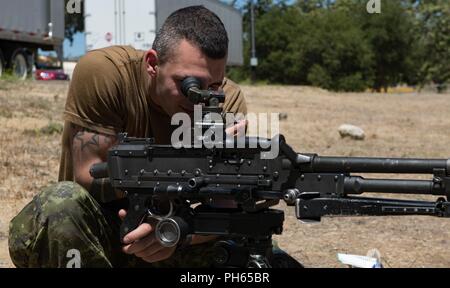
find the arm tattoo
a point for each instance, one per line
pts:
(92, 143)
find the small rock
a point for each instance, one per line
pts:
(354, 132)
(283, 116)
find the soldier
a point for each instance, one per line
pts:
(76, 222)
(120, 89)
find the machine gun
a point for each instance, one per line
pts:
(179, 185)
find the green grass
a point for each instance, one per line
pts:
(8, 75)
(8, 79)
(50, 129)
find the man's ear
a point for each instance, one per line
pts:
(151, 58)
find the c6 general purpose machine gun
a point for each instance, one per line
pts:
(178, 185)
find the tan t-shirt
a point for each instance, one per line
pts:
(109, 93)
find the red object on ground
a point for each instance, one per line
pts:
(46, 74)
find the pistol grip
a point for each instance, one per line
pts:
(137, 209)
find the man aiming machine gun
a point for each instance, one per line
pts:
(165, 182)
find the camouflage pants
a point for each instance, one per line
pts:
(64, 225)
(64, 222)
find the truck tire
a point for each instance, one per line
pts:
(2, 64)
(20, 66)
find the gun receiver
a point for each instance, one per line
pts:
(168, 183)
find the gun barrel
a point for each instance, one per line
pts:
(378, 165)
(358, 185)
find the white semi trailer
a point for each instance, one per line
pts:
(25, 27)
(135, 22)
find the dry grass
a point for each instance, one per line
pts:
(29, 159)
(396, 125)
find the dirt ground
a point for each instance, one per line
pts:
(396, 125)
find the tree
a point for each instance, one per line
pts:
(322, 47)
(261, 8)
(338, 45)
(343, 53)
(308, 6)
(391, 39)
(433, 30)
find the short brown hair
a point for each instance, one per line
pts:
(199, 26)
